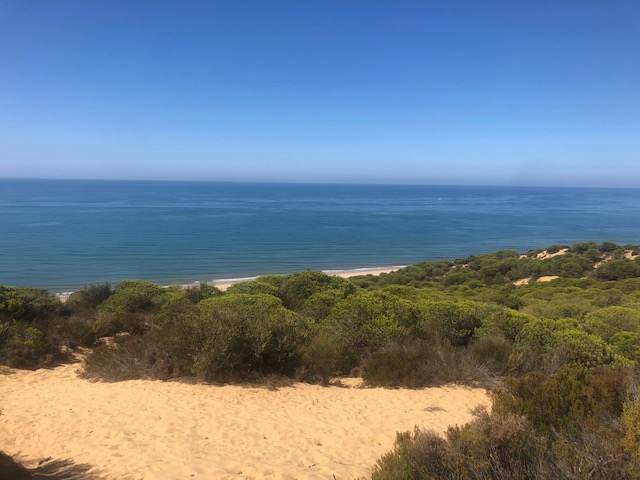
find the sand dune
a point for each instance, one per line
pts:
(174, 430)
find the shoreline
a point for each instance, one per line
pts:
(224, 283)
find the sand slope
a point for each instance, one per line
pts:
(172, 430)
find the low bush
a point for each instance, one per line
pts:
(73, 332)
(416, 363)
(322, 358)
(364, 322)
(201, 292)
(239, 335)
(88, 299)
(161, 353)
(492, 351)
(490, 447)
(455, 321)
(567, 399)
(608, 321)
(23, 346)
(108, 324)
(135, 296)
(255, 287)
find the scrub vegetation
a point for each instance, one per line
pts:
(553, 333)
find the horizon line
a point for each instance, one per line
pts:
(303, 182)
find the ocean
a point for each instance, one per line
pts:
(67, 234)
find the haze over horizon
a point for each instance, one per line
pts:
(460, 93)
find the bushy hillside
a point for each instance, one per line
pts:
(555, 333)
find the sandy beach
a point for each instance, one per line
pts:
(144, 429)
(224, 284)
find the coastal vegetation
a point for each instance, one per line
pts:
(554, 333)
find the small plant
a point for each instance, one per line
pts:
(322, 358)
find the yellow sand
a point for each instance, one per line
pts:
(545, 254)
(547, 278)
(173, 430)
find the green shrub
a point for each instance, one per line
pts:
(240, 335)
(617, 270)
(298, 287)
(365, 321)
(201, 292)
(455, 321)
(417, 363)
(319, 305)
(73, 332)
(253, 288)
(493, 351)
(175, 311)
(89, 298)
(418, 455)
(582, 247)
(135, 296)
(490, 447)
(161, 353)
(608, 321)
(566, 399)
(108, 324)
(24, 346)
(322, 358)
(541, 333)
(504, 322)
(578, 348)
(626, 344)
(566, 306)
(631, 439)
(26, 304)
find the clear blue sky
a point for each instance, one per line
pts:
(433, 92)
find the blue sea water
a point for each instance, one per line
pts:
(67, 234)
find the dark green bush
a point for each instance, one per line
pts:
(108, 324)
(24, 346)
(89, 299)
(239, 335)
(319, 305)
(26, 304)
(253, 288)
(617, 270)
(201, 292)
(298, 287)
(455, 321)
(135, 296)
(363, 322)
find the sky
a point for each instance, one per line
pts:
(421, 92)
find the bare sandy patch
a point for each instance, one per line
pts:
(143, 429)
(605, 259)
(545, 254)
(547, 278)
(522, 281)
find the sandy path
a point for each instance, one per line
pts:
(171, 430)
